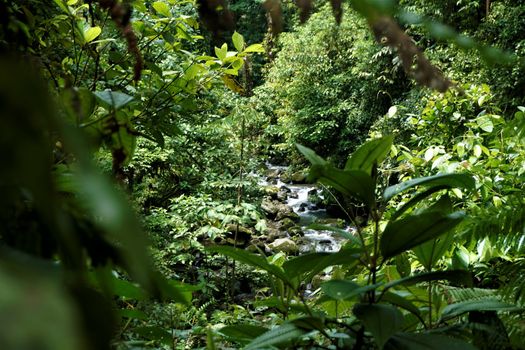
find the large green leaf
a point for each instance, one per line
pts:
(311, 155)
(447, 180)
(370, 153)
(411, 231)
(113, 100)
(415, 200)
(419, 341)
(250, 259)
(351, 183)
(429, 253)
(313, 263)
(91, 33)
(281, 334)
(380, 320)
(457, 309)
(344, 289)
(456, 276)
(162, 8)
(403, 303)
(238, 41)
(243, 332)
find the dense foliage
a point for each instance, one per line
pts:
(139, 210)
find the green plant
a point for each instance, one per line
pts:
(369, 299)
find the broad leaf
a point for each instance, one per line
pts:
(255, 48)
(351, 183)
(313, 263)
(281, 334)
(113, 99)
(456, 276)
(411, 231)
(457, 309)
(222, 52)
(91, 33)
(447, 180)
(370, 153)
(154, 333)
(243, 332)
(401, 302)
(344, 290)
(419, 341)
(429, 253)
(485, 123)
(162, 8)
(380, 320)
(311, 155)
(415, 200)
(238, 41)
(250, 259)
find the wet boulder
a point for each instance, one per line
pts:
(285, 245)
(295, 231)
(298, 177)
(286, 223)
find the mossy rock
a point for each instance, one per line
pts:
(295, 231)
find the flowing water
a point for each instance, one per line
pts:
(297, 199)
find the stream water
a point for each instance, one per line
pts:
(297, 198)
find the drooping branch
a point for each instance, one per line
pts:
(415, 64)
(120, 13)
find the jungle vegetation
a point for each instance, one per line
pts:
(139, 144)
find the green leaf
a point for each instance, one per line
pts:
(411, 231)
(344, 289)
(62, 6)
(415, 200)
(485, 123)
(429, 253)
(401, 302)
(222, 52)
(351, 183)
(403, 266)
(311, 155)
(132, 313)
(154, 333)
(456, 309)
(456, 276)
(419, 341)
(127, 290)
(238, 41)
(381, 320)
(250, 259)
(254, 48)
(313, 263)
(281, 334)
(113, 99)
(243, 332)
(91, 33)
(370, 153)
(162, 8)
(448, 180)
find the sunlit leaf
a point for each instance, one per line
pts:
(448, 180)
(91, 34)
(162, 8)
(411, 231)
